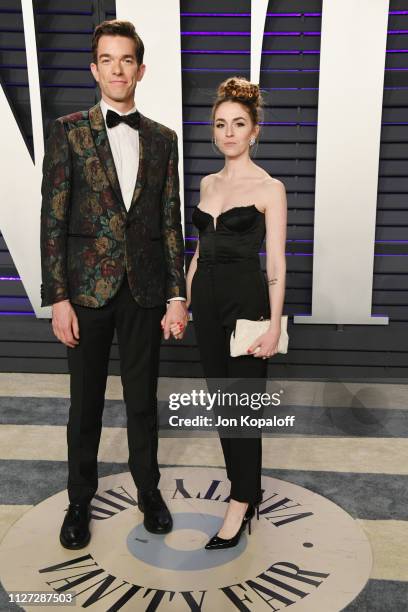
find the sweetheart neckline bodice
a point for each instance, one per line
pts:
(215, 219)
(228, 210)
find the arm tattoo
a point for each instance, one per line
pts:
(272, 281)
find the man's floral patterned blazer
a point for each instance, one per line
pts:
(88, 238)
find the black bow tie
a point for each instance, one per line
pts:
(132, 120)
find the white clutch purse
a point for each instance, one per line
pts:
(247, 331)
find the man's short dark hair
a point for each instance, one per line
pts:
(117, 27)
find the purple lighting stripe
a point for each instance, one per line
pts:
(287, 123)
(214, 52)
(375, 255)
(184, 14)
(260, 123)
(243, 52)
(244, 33)
(228, 70)
(292, 33)
(13, 314)
(289, 88)
(290, 70)
(209, 33)
(269, 52)
(310, 241)
(267, 14)
(215, 14)
(285, 71)
(249, 14)
(10, 278)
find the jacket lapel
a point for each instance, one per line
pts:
(144, 149)
(103, 149)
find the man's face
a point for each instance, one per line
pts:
(117, 71)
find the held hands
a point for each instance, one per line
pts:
(175, 320)
(65, 323)
(267, 344)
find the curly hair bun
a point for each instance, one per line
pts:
(240, 88)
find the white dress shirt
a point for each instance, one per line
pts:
(124, 144)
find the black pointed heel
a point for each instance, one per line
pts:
(217, 543)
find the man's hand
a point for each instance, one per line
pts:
(175, 320)
(65, 323)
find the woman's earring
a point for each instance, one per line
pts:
(252, 142)
(215, 147)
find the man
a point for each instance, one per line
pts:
(112, 254)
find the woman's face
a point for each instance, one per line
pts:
(233, 128)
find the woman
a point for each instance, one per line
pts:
(238, 206)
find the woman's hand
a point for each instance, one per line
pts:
(177, 330)
(267, 343)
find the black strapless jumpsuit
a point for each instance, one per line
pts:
(229, 284)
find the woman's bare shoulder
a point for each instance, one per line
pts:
(207, 182)
(273, 193)
(272, 184)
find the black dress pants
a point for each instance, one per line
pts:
(222, 293)
(139, 335)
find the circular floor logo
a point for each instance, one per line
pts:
(305, 553)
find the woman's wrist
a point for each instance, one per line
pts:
(274, 325)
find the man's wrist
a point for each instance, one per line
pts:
(61, 302)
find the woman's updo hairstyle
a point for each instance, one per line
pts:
(239, 89)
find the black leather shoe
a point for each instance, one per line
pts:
(157, 518)
(75, 528)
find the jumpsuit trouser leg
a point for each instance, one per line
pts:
(243, 456)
